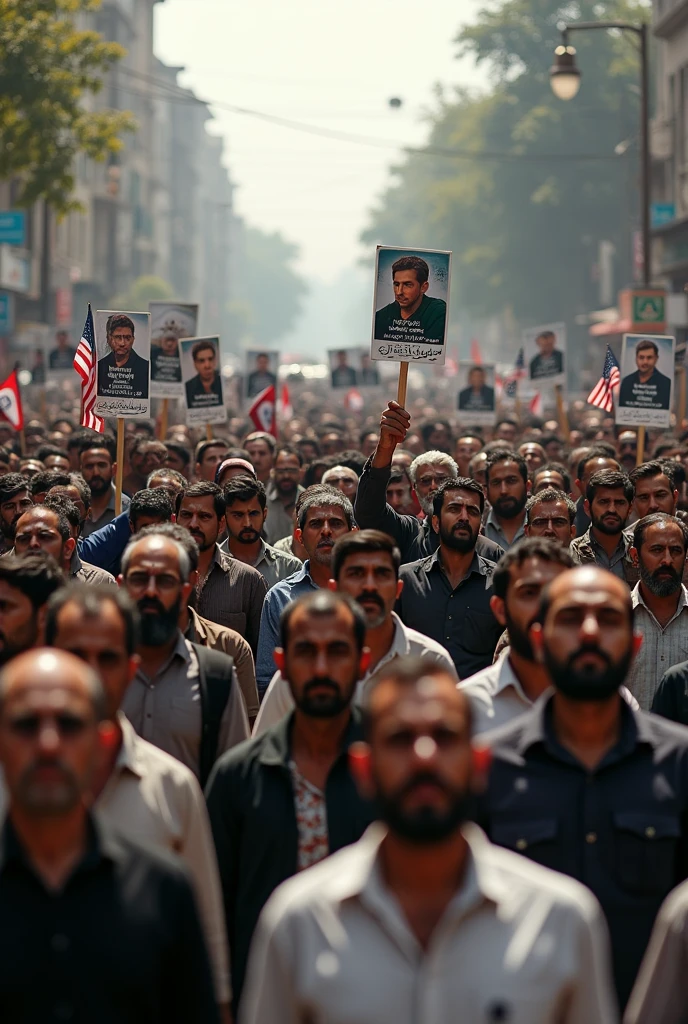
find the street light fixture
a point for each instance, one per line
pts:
(564, 75)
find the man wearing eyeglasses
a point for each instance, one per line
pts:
(184, 699)
(551, 514)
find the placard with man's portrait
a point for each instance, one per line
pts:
(647, 380)
(476, 400)
(202, 379)
(261, 371)
(170, 323)
(123, 372)
(544, 354)
(410, 305)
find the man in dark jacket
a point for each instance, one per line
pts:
(286, 799)
(122, 373)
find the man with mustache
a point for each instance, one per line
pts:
(423, 919)
(245, 515)
(551, 514)
(94, 926)
(507, 492)
(173, 699)
(584, 784)
(97, 462)
(608, 497)
(660, 602)
(15, 499)
(365, 565)
(286, 800)
(447, 595)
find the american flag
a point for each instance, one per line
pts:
(518, 373)
(85, 364)
(601, 394)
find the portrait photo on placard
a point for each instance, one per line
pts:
(261, 371)
(476, 400)
(123, 375)
(202, 380)
(647, 380)
(170, 323)
(544, 353)
(345, 367)
(410, 305)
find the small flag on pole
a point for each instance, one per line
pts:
(510, 382)
(10, 402)
(601, 394)
(262, 411)
(287, 410)
(476, 355)
(85, 364)
(535, 405)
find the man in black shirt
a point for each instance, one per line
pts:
(477, 397)
(647, 388)
(93, 927)
(582, 783)
(447, 595)
(549, 362)
(123, 373)
(205, 389)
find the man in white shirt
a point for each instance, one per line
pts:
(425, 920)
(365, 565)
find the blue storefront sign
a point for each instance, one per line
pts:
(13, 228)
(6, 313)
(662, 213)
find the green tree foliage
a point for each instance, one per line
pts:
(142, 291)
(271, 290)
(539, 184)
(48, 67)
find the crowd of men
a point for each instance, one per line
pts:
(380, 728)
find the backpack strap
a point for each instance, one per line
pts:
(215, 680)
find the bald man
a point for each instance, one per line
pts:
(428, 883)
(585, 784)
(112, 925)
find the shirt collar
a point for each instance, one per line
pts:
(621, 546)
(128, 758)
(492, 521)
(506, 677)
(276, 747)
(539, 729)
(637, 599)
(75, 563)
(101, 844)
(433, 561)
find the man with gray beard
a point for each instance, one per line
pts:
(660, 602)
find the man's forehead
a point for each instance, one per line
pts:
(154, 551)
(537, 570)
(45, 692)
(202, 501)
(38, 516)
(650, 482)
(549, 508)
(595, 592)
(337, 622)
(324, 512)
(663, 531)
(436, 466)
(429, 698)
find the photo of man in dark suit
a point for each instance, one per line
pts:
(123, 373)
(477, 397)
(647, 388)
(343, 375)
(549, 362)
(260, 378)
(205, 389)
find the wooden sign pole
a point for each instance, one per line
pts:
(403, 384)
(208, 432)
(641, 446)
(681, 411)
(120, 466)
(561, 410)
(164, 418)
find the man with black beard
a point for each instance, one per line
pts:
(26, 584)
(15, 499)
(423, 919)
(660, 602)
(286, 800)
(447, 595)
(507, 491)
(184, 698)
(98, 467)
(586, 785)
(245, 515)
(608, 498)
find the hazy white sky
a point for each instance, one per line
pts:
(334, 65)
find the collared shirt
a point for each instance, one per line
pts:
(273, 564)
(84, 572)
(586, 550)
(106, 516)
(228, 641)
(659, 994)
(120, 942)
(516, 944)
(620, 828)
(460, 619)
(166, 710)
(252, 811)
(280, 519)
(233, 595)
(278, 597)
(406, 642)
(494, 532)
(662, 647)
(286, 544)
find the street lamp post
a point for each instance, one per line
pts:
(565, 81)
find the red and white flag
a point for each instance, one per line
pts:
(535, 405)
(353, 400)
(287, 410)
(86, 364)
(262, 411)
(476, 354)
(10, 402)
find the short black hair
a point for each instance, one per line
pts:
(210, 442)
(506, 455)
(398, 475)
(655, 467)
(63, 527)
(202, 346)
(644, 524)
(428, 428)
(324, 603)
(150, 501)
(612, 478)
(351, 458)
(41, 482)
(364, 542)
(244, 488)
(58, 503)
(171, 474)
(528, 547)
(90, 600)
(647, 343)
(44, 451)
(261, 435)
(180, 450)
(173, 531)
(101, 442)
(554, 467)
(550, 494)
(12, 484)
(415, 263)
(405, 672)
(203, 489)
(77, 480)
(118, 320)
(457, 483)
(36, 575)
(598, 451)
(289, 449)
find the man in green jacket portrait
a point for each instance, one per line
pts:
(414, 315)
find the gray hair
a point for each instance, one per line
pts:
(184, 560)
(434, 458)
(321, 495)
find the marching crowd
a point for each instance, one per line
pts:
(366, 727)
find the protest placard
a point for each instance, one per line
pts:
(410, 305)
(476, 399)
(647, 380)
(170, 322)
(203, 394)
(123, 352)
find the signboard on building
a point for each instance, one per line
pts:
(661, 214)
(13, 227)
(644, 309)
(15, 270)
(6, 313)
(63, 307)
